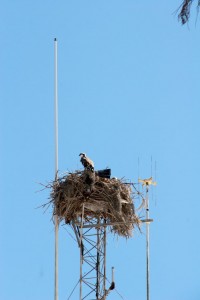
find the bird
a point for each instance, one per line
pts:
(86, 162)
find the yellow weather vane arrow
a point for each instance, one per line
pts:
(148, 181)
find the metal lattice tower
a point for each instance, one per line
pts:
(91, 238)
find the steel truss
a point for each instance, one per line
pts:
(92, 243)
(91, 237)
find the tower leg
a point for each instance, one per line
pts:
(93, 260)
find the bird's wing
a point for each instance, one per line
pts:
(90, 162)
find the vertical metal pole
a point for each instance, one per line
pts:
(56, 106)
(98, 262)
(56, 163)
(81, 253)
(104, 278)
(147, 242)
(81, 271)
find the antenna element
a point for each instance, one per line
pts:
(56, 162)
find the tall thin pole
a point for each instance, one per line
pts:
(56, 162)
(147, 183)
(56, 106)
(98, 262)
(81, 271)
(147, 242)
(81, 253)
(104, 254)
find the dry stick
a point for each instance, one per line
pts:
(104, 194)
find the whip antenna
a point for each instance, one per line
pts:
(56, 161)
(146, 183)
(147, 242)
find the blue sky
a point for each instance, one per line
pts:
(128, 88)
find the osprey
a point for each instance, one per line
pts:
(86, 162)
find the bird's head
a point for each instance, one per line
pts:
(82, 154)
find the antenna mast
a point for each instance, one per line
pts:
(147, 240)
(56, 162)
(147, 183)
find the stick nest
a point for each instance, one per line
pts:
(84, 193)
(185, 9)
